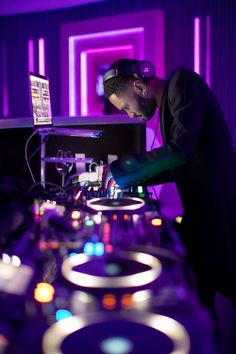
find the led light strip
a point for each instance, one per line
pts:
(93, 281)
(173, 329)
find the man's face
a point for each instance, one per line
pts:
(134, 105)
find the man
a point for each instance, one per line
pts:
(197, 154)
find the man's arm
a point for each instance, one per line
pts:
(187, 100)
(132, 170)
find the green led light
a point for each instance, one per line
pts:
(89, 222)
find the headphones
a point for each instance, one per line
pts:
(143, 70)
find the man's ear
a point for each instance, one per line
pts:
(140, 87)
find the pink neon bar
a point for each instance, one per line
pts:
(31, 55)
(208, 50)
(197, 51)
(41, 56)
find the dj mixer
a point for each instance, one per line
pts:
(93, 272)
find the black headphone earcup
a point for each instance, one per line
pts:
(146, 70)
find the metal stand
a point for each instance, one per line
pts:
(84, 133)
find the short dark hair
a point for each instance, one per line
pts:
(116, 84)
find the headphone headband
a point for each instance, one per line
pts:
(143, 70)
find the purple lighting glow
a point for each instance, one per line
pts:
(97, 39)
(197, 52)
(72, 101)
(41, 56)
(83, 83)
(106, 53)
(5, 88)
(109, 33)
(31, 55)
(208, 50)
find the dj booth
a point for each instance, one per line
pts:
(89, 271)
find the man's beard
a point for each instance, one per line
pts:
(146, 107)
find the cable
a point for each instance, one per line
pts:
(26, 155)
(48, 183)
(33, 154)
(157, 125)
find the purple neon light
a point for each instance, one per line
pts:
(72, 41)
(5, 88)
(72, 101)
(84, 72)
(41, 56)
(83, 83)
(107, 49)
(108, 33)
(197, 52)
(208, 50)
(31, 55)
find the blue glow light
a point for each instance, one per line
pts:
(89, 248)
(99, 249)
(73, 254)
(116, 345)
(61, 314)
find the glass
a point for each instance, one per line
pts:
(65, 165)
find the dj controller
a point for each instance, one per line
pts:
(99, 273)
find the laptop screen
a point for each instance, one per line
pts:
(40, 100)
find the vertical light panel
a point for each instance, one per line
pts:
(41, 56)
(31, 55)
(85, 70)
(208, 50)
(5, 88)
(197, 45)
(83, 76)
(101, 38)
(72, 108)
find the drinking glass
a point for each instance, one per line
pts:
(65, 165)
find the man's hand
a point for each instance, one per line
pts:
(107, 179)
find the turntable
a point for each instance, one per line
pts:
(118, 332)
(125, 204)
(95, 272)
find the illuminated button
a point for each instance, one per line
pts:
(61, 314)
(156, 222)
(140, 189)
(114, 217)
(99, 249)
(108, 248)
(88, 248)
(75, 214)
(178, 219)
(127, 301)
(44, 292)
(89, 222)
(6, 258)
(126, 217)
(15, 260)
(109, 301)
(97, 218)
(76, 224)
(106, 228)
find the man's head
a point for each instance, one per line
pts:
(126, 87)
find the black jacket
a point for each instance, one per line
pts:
(198, 156)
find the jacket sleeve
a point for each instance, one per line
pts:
(138, 169)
